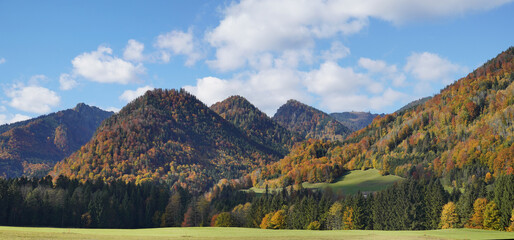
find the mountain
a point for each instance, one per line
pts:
(256, 124)
(309, 122)
(167, 136)
(355, 120)
(464, 133)
(32, 147)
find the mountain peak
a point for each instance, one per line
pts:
(309, 122)
(256, 124)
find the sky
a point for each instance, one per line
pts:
(368, 55)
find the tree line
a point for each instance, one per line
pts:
(408, 205)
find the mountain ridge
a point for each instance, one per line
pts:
(166, 136)
(33, 146)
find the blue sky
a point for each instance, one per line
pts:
(369, 55)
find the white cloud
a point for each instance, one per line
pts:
(134, 51)
(19, 118)
(2, 60)
(33, 99)
(254, 27)
(101, 66)
(211, 89)
(363, 102)
(431, 67)
(4, 119)
(384, 70)
(67, 82)
(333, 79)
(179, 43)
(130, 95)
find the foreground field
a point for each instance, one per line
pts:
(240, 233)
(357, 180)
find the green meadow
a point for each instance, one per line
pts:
(358, 180)
(241, 233)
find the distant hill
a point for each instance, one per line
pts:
(167, 136)
(355, 120)
(32, 147)
(464, 133)
(256, 124)
(309, 122)
(414, 104)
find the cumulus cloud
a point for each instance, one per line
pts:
(431, 67)
(130, 95)
(2, 60)
(385, 71)
(178, 43)
(67, 82)
(134, 51)
(334, 79)
(251, 28)
(101, 66)
(33, 99)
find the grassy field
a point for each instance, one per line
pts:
(365, 181)
(240, 233)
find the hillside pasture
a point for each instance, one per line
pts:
(358, 180)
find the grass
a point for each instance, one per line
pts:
(358, 180)
(241, 233)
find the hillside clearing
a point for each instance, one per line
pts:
(358, 180)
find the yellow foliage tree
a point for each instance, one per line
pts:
(449, 217)
(348, 219)
(274, 220)
(265, 221)
(492, 216)
(477, 220)
(278, 221)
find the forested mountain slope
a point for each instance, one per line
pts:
(309, 122)
(32, 147)
(355, 120)
(464, 132)
(256, 124)
(168, 136)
